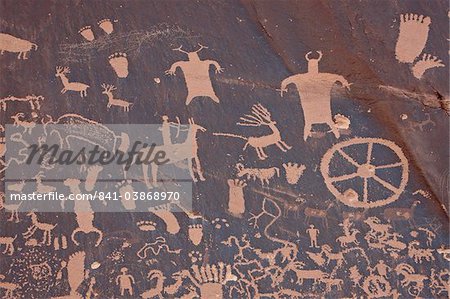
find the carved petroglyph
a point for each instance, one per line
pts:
(293, 172)
(107, 90)
(125, 282)
(260, 116)
(196, 74)
(14, 44)
(314, 89)
(34, 101)
(119, 63)
(9, 244)
(10, 207)
(412, 37)
(61, 72)
(425, 63)
(106, 25)
(46, 228)
(263, 174)
(87, 33)
(20, 122)
(236, 200)
(367, 171)
(178, 152)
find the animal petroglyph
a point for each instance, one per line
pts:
(401, 214)
(412, 37)
(196, 74)
(260, 117)
(119, 63)
(314, 90)
(19, 121)
(9, 287)
(62, 72)
(9, 244)
(46, 228)
(14, 44)
(366, 170)
(34, 101)
(178, 152)
(107, 89)
(263, 174)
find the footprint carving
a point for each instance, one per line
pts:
(412, 37)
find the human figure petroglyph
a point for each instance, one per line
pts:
(125, 282)
(381, 268)
(46, 228)
(19, 121)
(350, 233)
(426, 62)
(62, 72)
(366, 170)
(263, 174)
(107, 90)
(293, 172)
(14, 44)
(313, 233)
(178, 152)
(33, 100)
(314, 89)
(119, 63)
(236, 200)
(413, 35)
(260, 116)
(196, 74)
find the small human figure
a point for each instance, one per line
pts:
(196, 74)
(313, 233)
(382, 268)
(165, 129)
(125, 282)
(61, 279)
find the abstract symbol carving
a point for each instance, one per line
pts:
(367, 171)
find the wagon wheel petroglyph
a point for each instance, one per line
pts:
(367, 171)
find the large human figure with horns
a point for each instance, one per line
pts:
(196, 74)
(314, 89)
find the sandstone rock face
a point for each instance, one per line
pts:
(313, 134)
